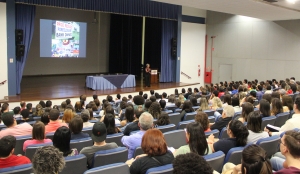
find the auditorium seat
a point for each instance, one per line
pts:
(178, 110)
(166, 169)
(87, 130)
(75, 164)
(30, 150)
(81, 143)
(138, 151)
(209, 112)
(166, 128)
(115, 138)
(281, 118)
(175, 118)
(234, 155)
(19, 144)
(105, 157)
(220, 110)
(215, 132)
(21, 169)
(116, 168)
(269, 144)
(93, 121)
(182, 124)
(172, 108)
(50, 135)
(175, 138)
(267, 120)
(195, 108)
(237, 115)
(168, 111)
(215, 160)
(2, 126)
(190, 116)
(223, 133)
(37, 118)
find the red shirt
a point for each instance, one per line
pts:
(53, 125)
(14, 160)
(289, 170)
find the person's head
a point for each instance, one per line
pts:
(255, 160)
(203, 104)
(63, 105)
(176, 92)
(42, 103)
(153, 98)
(95, 96)
(147, 104)
(152, 92)
(68, 101)
(25, 113)
(7, 146)
(227, 99)
(216, 93)
(216, 102)
(171, 98)
(235, 101)
(85, 115)
(138, 100)
(183, 90)
(191, 163)
(29, 106)
(83, 97)
(189, 90)
(99, 132)
(164, 95)
(48, 103)
(196, 138)
(163, 119)
(264, 107)
(293, 88)
(296, 107)
(119, 96)
(162, 104)
(76, 125)
(202, 118)
(48, 160)
(23, 104)
(129, 97)
(109, 121)
(177, 103)
(68, 115)
(145, 121)
(268, 87)
(275, 94)
(155, 110)
(8, 119)
(61, 140)
(253, 94)
(289, 145)
(54, 114)
(194, 101)
(78, 106)
(129, 114)
(145, 96)
(246, 109)
(287, 101)
(228, 111)
(154, 143)
(254, 121)
(141, 93)
(38, 131)
(181, 98)
(45, 118)
(259, 88)
(276, 106)
(187, 106)
(238, 130)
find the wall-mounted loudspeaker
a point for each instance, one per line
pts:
(19, 35)
(174, 42)
(174, 51)
(20, 49)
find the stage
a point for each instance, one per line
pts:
(37, 88)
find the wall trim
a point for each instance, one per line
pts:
(193, 19)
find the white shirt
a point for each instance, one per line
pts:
(253, 137)
(88, 124)
(290, 124)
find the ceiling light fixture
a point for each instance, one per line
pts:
(291, 1)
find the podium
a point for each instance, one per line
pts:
(154, 79)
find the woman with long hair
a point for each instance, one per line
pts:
(196, 141)
(68, 115)
(287, 103)
(164, 119)
(76, 125)
(186, 108)
(203, 104)
(264, 108)
(276, 106)
(39, 111)
(155, 110)
(61, 140)
(254, 121)
(202, 118)
(216, 103)
(129, 116)
(227, 100)
(246, 109)
(109, 121)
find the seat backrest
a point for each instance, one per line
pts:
(215, 132)
(50, 135)
(209, 112)
(168, 111)
(267, 120)
(175, 138)
(37, 118)
(223, 133)
(167, 128)
(269, 144)
(190, 116)
(110, 156)
(116, 168)
(166, 169)
(30, 150)
(20, 169)
(237, 115)
(211, 119)
(220, 110)
(281, 118)
(172, 108)
(81, 143)
(182, 124)
(115, 138)
(178, 110)
(19, 144)
(75, 164)
(87, 130)
(138, 151)
(195, 107)
(234, 155)
(215, 160)
(175, 118)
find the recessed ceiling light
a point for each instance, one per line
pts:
(291, 1)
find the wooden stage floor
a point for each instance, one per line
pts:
(72, 86)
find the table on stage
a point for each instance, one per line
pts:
(110, 81)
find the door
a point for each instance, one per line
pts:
(225, 73)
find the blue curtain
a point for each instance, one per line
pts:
(25, 15)
(168, 63)
(129, 7)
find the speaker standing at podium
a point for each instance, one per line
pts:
(147, 75)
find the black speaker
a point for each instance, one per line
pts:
(174, 42)
(19, 35)
(20, 50)
(174, 51)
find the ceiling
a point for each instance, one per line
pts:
(280, 10)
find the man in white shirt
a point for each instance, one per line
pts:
(17, 113)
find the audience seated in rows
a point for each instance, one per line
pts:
(54, 123)
(254, 121)
(162, 120)
(25, 117)
(134, 126)
(61, 140)
(76, 125)
(186, 108)
(202, 118)
(109, 121)
(85, 116)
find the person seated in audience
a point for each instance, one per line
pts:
(227, 100)
(92, 115)
(202, 118)
(98, 136)
(98, 104)
(63, 106)
(252, 94)
(181, 98)
(177, 104)
(54, 121)
(293, 88)
(129, 99)
(191, 163)
(193, 100)
(76, 125)
(61, 140)
(264, 108)
(39, 111)
(45, 118)
(102, 112)
(7, 157)
(5, 107)
(129, 116)
(25, 117)
(17, 113)
(186, 108)
(221, 92)
(289, 148)
(269, 90)
(151, 92)
(186, 95)
(29, 107)
(254, 121)
(38, 135)
(238, 134)
(109, 121)
(235, 102)
(139, 102)
(147, 105)
(276, 106)
(162, 104)
(155, 110)
(78, 107)
(118, 98)
(196, 141)
(134, 126)
(259, 92)
(23, 105)
(156, 152)
(162, 120)
(287, 102)
(68, 115)
(275, 94)
(171, 101)
(226, 117)
(216, 103)
(234, 89)
(164, 97)
(145, 96)
(48, 160)
(13, 128)
(254, 160)
(246, 109)
(85, 116)
(214, 94)
(134, 141)
(291, 123)
(203, 104)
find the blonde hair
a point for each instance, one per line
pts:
(181, 98)
(216, 102)
(203, 104)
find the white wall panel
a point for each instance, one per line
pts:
(3, 50)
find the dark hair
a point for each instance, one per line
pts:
(264, 107)
(68, 101)
(151, 91)
(275, 95)
(164, 95)
(191, 163)
(182, 90)
(291, 140)
(287, 101)
(162, 104)
(138, 100)
(153, 98)
(268, 97)
(276, 106)
(138, 113)
(109, 98)
(8, 119)
(123, 105)
(155, 110)
(154, 143)
(255, 160)
(45, 118)
(25, 113)
(124, 99)
(48, 103)
(235, 101)
(54, 114)
(109, 109)
(17, 110)
(141, 93)
(163, 119)
(76, 124)
(268, 87)
(240, 132)
(29, 106)
(147, 104)
(254, 121)
(187, 106)
(253, 93)
(145, 96)
(78, 106)
(216, 93)
(109, 121)
(202, 118)
(129, 114)
(95, 96)
(61, 140)
(42, 103)
(246, 109)
(119, 96)
(197, 141)
(38, 131)
(7, 144)
(171, 98)
(249, 99)
(177, 103)
(130, 96)
(293, 87)
(194, 101)
(176, 92)
(227, 99)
